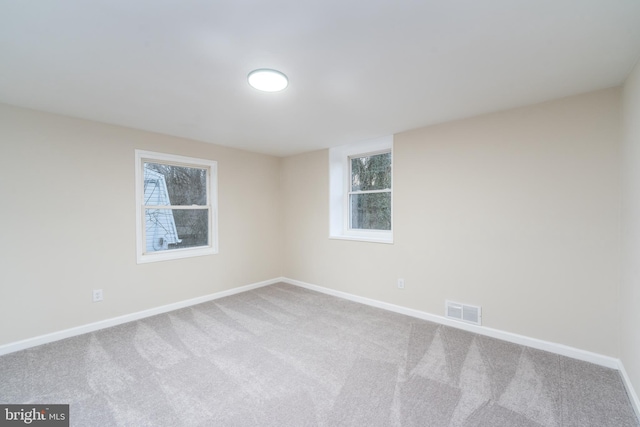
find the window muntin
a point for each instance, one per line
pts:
(176, 202)
(370, 192)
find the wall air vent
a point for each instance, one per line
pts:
(463, 312)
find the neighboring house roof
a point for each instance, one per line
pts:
(160, 226)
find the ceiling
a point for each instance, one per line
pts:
(358, 69)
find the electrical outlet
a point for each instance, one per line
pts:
(97, 295)
(400, 283)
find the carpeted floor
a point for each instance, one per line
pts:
(285, 356)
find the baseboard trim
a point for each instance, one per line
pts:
(561, 349)
(114, 321)
(633, 396)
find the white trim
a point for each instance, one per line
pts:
(561, 349)
(633, 396)
(339, 178)
(564, 350)
(212, 206)
(364, 238)
(114, 321)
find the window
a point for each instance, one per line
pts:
(361, 191)
(176, 201)
(370, 192)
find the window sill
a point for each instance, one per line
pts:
(364, 238)
(175, 254)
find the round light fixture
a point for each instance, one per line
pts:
(267, 80)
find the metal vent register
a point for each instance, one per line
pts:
(464, 312)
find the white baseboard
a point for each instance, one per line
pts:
(633, 396)
(91, 327)
(561, 349)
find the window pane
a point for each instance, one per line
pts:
(371, 172)
(169, 185)
(371, 211)
(176, 228)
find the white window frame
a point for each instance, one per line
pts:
(211, 166)
(340, 187)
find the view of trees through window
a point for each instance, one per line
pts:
(370, 195)
(176, 211)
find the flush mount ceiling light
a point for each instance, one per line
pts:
(268, 80)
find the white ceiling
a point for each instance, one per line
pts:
(358, 69)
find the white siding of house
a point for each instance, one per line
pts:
(160, 226)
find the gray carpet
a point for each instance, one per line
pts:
(285, 356)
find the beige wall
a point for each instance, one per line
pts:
(68, 224)
(630, 291)
(515, 211)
